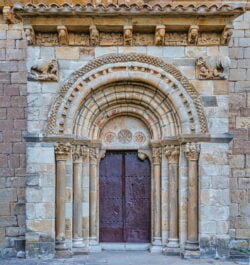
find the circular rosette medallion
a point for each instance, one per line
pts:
(109, 137)
(125, 136)
(139, 138)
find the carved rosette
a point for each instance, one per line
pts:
(192, 151)
(62, 151)
(172, 153)
(93, 154)
(79, 152)
(156, 156)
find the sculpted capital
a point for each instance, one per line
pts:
(192, 151)
(93, 153)
(172, 153)
(79, 152)
(156, 156)
(62, 150)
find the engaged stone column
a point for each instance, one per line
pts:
(93, 154)
(79, 153)
(62, 152)
(172, 153)
(192, 151)
(156, 158)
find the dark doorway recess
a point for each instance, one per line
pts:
(125, 198)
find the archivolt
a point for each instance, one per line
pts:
(87, 86)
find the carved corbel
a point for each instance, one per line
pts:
(226, 35)
(30, 35)
(94, 35)
(193, 34)
(160, 32)
(63, 37)
(213, 67)
(9, 15)
(144, 154)
(44, 70)
(128, 35)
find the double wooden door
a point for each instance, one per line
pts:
(125, 198)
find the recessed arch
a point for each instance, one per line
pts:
(136, 79)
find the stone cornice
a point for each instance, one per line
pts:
(178, 8)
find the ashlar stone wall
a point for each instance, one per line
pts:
(12, 146)
(239, 107)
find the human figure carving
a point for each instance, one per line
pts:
(62, 35)
(94, 35)
(128, 35)
(193, 34)
(30, 35)
(226, 34)
(160, 35)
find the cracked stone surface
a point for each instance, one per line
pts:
(116, 258)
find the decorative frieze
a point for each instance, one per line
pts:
(44, 70)
(128, 38)
(213, 67)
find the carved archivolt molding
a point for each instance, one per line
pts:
(149, 68)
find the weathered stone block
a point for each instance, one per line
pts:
(174, 52)
(69, 53)
(8, 195)
(8, 221)
(237, 161)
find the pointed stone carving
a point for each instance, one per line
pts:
(94, 35)
(213, 67)
(128, 35)
(160, 32)
(226, 35)
(63, 37)
(193, 34)
(30, 35)
(44, 70)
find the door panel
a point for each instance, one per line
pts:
(125, 191)
(137, 197)
(111, 190)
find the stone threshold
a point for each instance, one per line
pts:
(125, 246)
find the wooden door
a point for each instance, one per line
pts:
(125, 192)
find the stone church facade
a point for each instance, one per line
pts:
(93, 94)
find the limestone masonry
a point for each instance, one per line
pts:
(167, 79)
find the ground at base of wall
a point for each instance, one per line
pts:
(117, 258)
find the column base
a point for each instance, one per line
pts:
(155, 249)
(171, 251)
(173, 243)
(191, 254)
(192, 245)
(61, 246)
(94, 245)
(78, 243)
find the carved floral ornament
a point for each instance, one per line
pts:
(171, 77)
